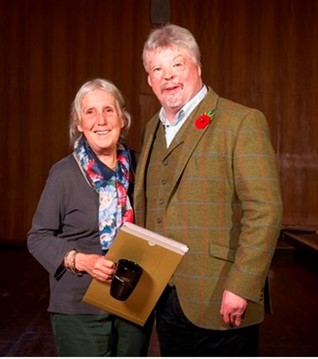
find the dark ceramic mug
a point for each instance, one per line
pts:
(125, 279)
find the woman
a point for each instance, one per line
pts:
(84, 202)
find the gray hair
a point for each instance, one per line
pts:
(89, 86)
(171, 35)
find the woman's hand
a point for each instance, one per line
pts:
(96, 266)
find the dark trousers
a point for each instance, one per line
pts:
(179, 337)
(99, 335)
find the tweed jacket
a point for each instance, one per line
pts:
(223, 200)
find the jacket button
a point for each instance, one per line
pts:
(261, 295)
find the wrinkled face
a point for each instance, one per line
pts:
(100, 121)
(174, 77)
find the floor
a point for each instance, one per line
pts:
(290, 331)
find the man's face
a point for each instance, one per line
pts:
(174, 77)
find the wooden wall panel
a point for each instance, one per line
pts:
(260, 53)
(298, 89)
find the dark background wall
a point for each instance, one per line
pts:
(262, 53)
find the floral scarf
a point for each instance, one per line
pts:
(112, 187)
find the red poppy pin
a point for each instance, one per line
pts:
(204, 120)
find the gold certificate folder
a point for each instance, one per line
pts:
(159, 257)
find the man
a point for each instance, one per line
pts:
(207, 177)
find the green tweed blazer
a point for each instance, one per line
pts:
(224, 202)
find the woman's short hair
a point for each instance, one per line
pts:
(89, 86)
(171, 35)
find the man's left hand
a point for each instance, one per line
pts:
(233, 308)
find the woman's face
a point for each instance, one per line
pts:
(100, 122)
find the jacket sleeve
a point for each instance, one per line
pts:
(43, 237)
(258, 189)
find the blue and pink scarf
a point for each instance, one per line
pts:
(112, 187)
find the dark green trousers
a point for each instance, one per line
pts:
(99, 335)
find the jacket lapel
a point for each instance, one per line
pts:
(139, 193)
(192, 135)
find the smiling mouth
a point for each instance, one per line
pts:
(99, 132)
(171, 89)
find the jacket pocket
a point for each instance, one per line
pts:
(220, 252)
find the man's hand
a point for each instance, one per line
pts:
(233, 308)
